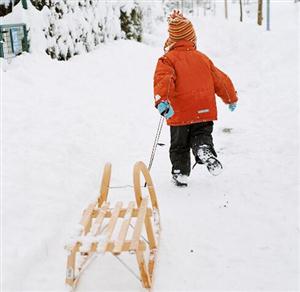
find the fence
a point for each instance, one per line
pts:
(13, 40)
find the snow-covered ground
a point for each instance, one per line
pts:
(61, 121)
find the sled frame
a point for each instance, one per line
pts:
(92, 226)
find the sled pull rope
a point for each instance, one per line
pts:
(123, 187)
(158, 132)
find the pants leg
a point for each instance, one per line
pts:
(180, 149)
(201, 133)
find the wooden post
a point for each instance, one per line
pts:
(226, 9)
(25, 44)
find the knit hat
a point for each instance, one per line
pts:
(180, 28)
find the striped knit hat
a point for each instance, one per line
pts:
(180, 28)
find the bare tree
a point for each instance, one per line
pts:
(241, 10)
(259, 12)
(226, 9)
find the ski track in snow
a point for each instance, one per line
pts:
(62, 121)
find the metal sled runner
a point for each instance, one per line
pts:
(98, 233)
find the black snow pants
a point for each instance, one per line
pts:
(184, 138)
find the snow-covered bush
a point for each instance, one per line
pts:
(40, 4)
(70, 27)
(131, 21)
(80, 25)
(6, 6)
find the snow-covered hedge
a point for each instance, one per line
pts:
(39, 4)
(131, 22)
(64, 28)
(6, 6)
(80, 25)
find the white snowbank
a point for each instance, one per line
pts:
(62, 121)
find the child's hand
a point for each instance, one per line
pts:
(165, 109)
(232, 106)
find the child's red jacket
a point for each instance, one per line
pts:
(188, 80)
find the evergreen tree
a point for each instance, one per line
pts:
(131, 23)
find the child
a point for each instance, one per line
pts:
(185, 84)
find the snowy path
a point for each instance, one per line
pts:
(63, 121)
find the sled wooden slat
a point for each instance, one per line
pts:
(125, 247)
(138, 225)
(106, 230)
(99, 219)
(123, 212)
(110, 246)
(87, 218)
(124, 229)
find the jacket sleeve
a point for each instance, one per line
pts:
(164, 80)
(224, 87)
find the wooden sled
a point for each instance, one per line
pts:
(97, 236)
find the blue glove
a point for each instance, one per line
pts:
(165, 109)
(232, 106)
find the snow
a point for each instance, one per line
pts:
(61, 121)
(5, 2)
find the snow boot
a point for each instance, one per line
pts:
(180, 180)
(207, 157)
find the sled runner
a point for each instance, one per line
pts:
(98, 232)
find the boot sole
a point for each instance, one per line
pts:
(179, 184)
(215, 168)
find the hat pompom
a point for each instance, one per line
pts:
(180, 28)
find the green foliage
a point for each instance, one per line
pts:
(39, 4)
(131, 24)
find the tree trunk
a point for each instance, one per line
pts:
(241, 11)
(259, 12)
